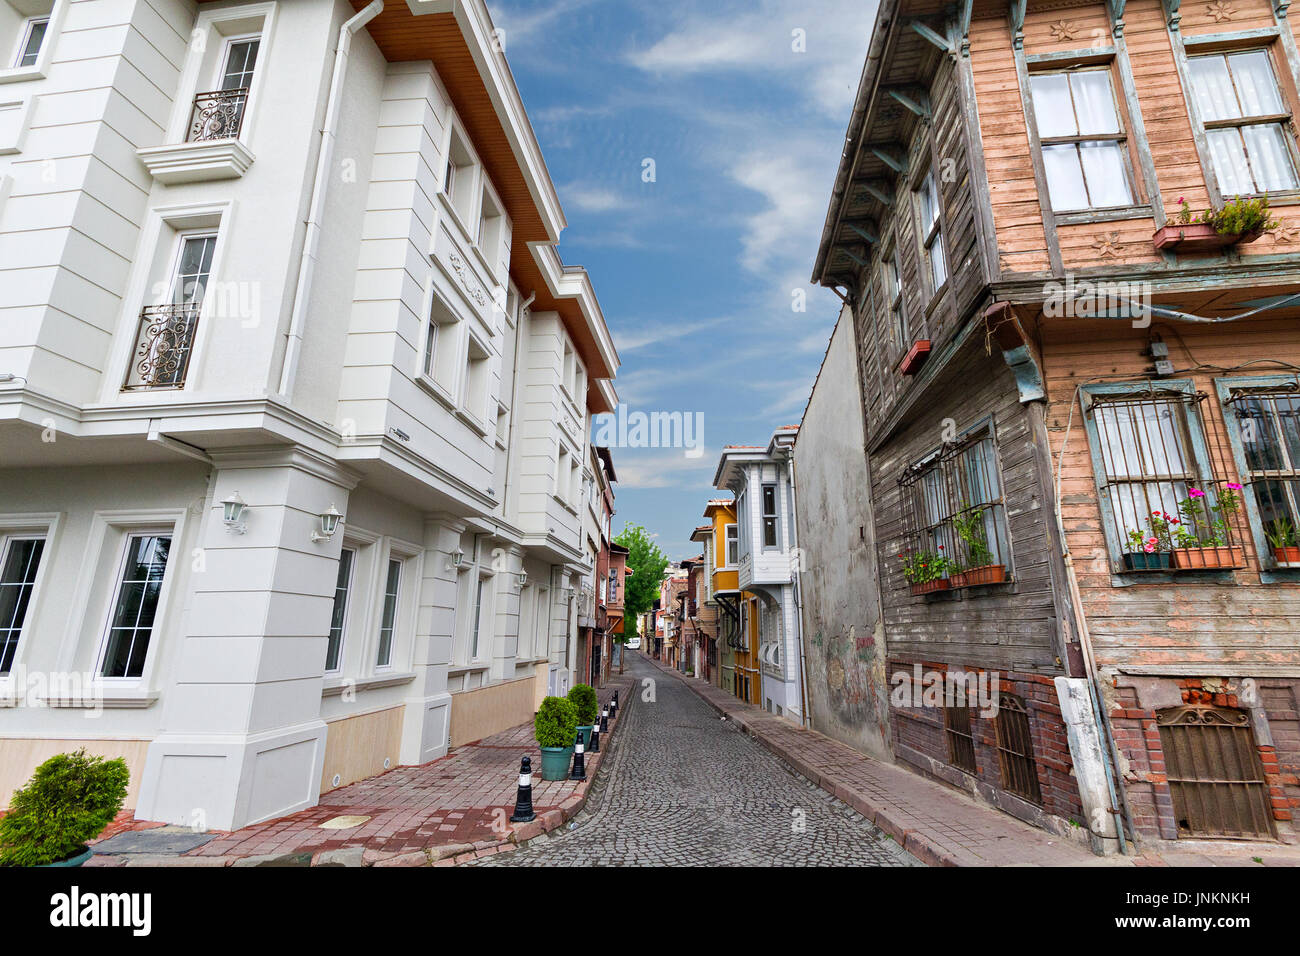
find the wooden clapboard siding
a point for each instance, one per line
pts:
(1008, 628)
(1198, 18)
(1227, 627)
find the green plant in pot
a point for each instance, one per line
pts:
(981, 566)
(68, 802)
(1286, 545)
(556, 728)
(583, 698)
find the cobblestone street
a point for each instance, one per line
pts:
(684, 788)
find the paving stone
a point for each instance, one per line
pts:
(352, 856)
(158, 840)
(276, 859)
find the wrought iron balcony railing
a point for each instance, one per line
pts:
(163, 345)
(217, 115)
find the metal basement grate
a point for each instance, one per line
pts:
(961, 743)
(1215, 774)
(1016, 749)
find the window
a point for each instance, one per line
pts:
(956, 510)
(562, 474)
(1265, 421)
(241, 57)
(441, 347)
(893, 288)
(733, 544)
(961, 742)
(1016, 749)
(219, 113)
(932, 231)
(135, 605)
(474, 387)
(613, 584)
(165, 337)
(570, 364)
(29, 48)
(193, 268)
(1151, 458)
(458, 182)
(769, 517)
(20, 559)
(449, 179)
(388, 619)
(338, 619)
(1085, 156)
(1247, 123)
(476, 635)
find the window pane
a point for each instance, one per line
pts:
(389, 618)
(1052, 110)
(938, 264)
(136, 605)
(239, 65)
(1269, 160)
(1143, 440)
(338, 616)
(1212, 87)
(35, 37)
(1230, 166)
(1103, 170)
(1257, 89)
(1064, 177)
(478, 620)
(1263, 452)
(22, 559)
(1094, 104)
(929, 203)
(193, 269)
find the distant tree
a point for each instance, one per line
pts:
(641, 588)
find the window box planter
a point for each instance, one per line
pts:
(915, 357)
(1287, 557)
(1211, 558)
(974, 577)
(929, 587)
(1147, 561)
(1198, 237)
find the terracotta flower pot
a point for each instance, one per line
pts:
(929, 587)
(1198, 237)
(1287, 557)
(1210, 557)
(986, 574)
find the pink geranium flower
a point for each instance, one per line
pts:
(1195, 493)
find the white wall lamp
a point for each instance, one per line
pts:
(329, 523)
(523, 579)
(455, 559)
(232, 513)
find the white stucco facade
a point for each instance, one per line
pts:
(327, 308)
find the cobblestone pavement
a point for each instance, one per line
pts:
(684, 788)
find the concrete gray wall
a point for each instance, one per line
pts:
(843, 638)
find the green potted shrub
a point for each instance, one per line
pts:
(980, 567)
(1239, 221)
(68, 802)
(583, 698)
(556, 728)
(926, 571)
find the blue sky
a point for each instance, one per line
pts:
(696, 271)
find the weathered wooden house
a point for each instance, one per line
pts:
(1081, 427)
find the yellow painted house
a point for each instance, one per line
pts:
(738, 669)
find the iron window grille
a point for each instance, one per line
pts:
(1216, 778)
(1264, 427)
(1163, 507)
(953, 510)
(961, 741)
(1016, 749)
(163, 346)
(218, 114)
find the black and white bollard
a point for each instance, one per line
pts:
(604, 721)
(595, 738)
(613, 705)
(524, 797)
(579, 771)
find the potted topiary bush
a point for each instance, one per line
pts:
(68, 802)
(556, 727)
(583, 699)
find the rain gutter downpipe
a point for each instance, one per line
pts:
(311, 241)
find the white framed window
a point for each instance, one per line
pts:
(224, 72)
(474, 385)
(20, 563)
(134, 605)
(442, 347)
(339, 614)
(891, 274)
(562, 471)
(459, 178)
(771, 536)
(388, 613)
(31, 40)
(732, 533)
(1247, 122)
(927, 198)
(482, 617)
(1082, 140)
(192, 267)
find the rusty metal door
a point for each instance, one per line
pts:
(1215, 773)
(1016, 749)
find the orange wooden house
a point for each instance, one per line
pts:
(1083, 400)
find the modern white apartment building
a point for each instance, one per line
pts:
(762, 480)
(294, 396)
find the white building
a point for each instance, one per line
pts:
(762, 480)
(299, 260)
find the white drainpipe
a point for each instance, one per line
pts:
(311, 242)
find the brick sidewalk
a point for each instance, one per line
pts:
(936, 824)
(443, 812)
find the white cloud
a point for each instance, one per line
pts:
(590, 197)
(662, 468)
